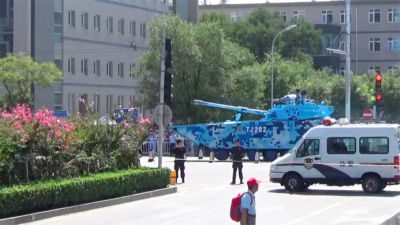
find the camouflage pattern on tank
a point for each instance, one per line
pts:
(277, 130)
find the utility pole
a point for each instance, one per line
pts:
(347, 79)
(161, 109)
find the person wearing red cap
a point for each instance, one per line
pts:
(248, 203)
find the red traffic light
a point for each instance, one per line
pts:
(378, 97)
(378, 78)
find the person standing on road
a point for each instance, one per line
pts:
(248, 203)
(179, 152)
(237, 153)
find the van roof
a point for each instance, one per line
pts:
(352, 127)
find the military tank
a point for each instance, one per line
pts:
(277, 130)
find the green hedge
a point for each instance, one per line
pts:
(20, 199)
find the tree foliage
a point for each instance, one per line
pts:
(258, 30)
(204, 61)
(17, 75)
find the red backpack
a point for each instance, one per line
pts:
(236, 213)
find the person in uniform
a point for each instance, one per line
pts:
(179, 152)
(248, 203)
(237, 154)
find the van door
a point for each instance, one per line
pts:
(338, 165)
(307, 156)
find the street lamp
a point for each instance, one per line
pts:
(347, 79)
(272, 59)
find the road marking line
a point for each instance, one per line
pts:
(315, 213)
(195, 215)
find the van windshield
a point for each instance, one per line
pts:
(297, 145)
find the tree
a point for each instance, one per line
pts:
(203, 63)
(258, 30)
(17, 75)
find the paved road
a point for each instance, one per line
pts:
(206, 195)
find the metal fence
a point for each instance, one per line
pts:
(147, 146)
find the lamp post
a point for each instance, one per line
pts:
(272, 59)
(347, 79)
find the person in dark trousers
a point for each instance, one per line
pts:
(237, 154)
(179, 152)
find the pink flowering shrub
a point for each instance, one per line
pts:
(42, 146)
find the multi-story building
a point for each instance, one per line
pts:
(95, 43)
(375, 29)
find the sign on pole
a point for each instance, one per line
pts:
(367, 114)
(162, 112)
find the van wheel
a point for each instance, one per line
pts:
(293, 183)
(371, 184)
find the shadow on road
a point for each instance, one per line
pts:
(356, 193)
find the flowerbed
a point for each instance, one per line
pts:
(40, 146)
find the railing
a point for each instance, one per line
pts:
(147, 146)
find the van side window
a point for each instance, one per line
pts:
(308, 147)
(374, 145)
(341, 145)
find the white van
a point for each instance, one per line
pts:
(366, 154)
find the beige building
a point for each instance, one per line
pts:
(375, 29)
(95, 43)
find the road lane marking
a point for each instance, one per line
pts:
(315, 213)
(176, 221)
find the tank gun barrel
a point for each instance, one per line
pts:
(239, 109)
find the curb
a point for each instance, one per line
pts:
(85, 207)
(395, 220)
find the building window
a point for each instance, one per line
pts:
(143, 30)
(96, 22)
(84, 66)
(121, 101)
(3, 9)
(85, 20)
(3, 50)
(71, 18)
(374, 44)
(374, 69)
(121, 26)
(110, 24)
(132, 68)
(132, 28)
(71, 65)
(327, 17)
(390, 70)
(109, 104)
(342, 70)
(298, 15)
(71, 103)
(132, 101)
(343, 17)
(235, 16)
(96, 67)
(109, 69)
(282, 14)
(394, 15)
(121, 69)
(374, 15)
(393, 44)
(96, 103)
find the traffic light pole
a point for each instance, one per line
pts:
(347, 79)
(161, 113)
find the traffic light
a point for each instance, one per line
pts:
(167, 75)
(378, 92)
(378, 87)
